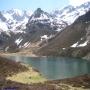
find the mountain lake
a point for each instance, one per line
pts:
(54, 68)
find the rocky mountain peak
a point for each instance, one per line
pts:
(39, 15)
(38, 12)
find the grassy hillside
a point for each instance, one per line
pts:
(15, 71)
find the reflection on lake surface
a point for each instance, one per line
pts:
(56, 67)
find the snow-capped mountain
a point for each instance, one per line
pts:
(44, 19)
(16, 19)
(70, 13)
(13, 19)
(40, 23)
(40, 17)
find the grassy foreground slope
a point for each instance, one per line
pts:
(15, 71)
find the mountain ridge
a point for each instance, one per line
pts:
(62, 17)
(21, 30)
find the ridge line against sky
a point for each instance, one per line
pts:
(47, 5)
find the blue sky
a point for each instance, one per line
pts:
(47, 5)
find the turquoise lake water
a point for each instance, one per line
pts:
(54, 68)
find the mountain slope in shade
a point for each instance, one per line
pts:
(74, 40)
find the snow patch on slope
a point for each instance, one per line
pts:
(80, 45)
(18, 41)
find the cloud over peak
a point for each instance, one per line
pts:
(77, 2)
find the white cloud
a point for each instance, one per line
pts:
(77, 2)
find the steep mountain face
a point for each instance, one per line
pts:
(40, 20)
(39, 15)
(39, 24)
(73, 41)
